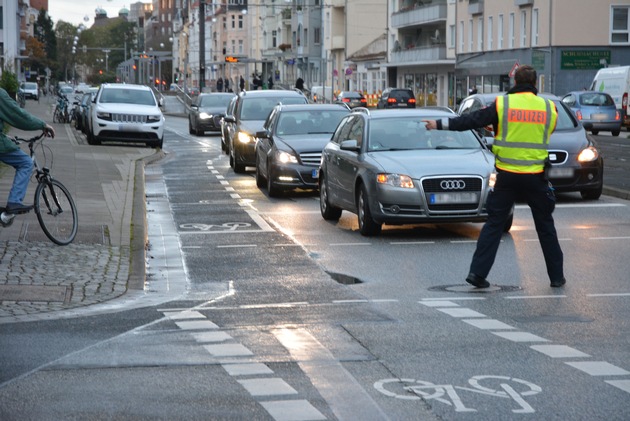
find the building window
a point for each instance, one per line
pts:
(306, 37)
(317, 36)
(451, 33)
(233, 47)
(535, 28)
(233, 21)
(523, 28)
(461, 36)
(470, 35)
(500, 33)
(224, 22)
(511, 31)
(240, 22)
(274, 39)
(240, 46)
(490, 30)
(619, 25)
(480, 34)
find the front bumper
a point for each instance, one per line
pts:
(294, 176)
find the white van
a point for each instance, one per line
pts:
(615, 81)
(321, 94)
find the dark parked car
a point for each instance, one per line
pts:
(397, 98)
(596, 110)
(577, 164)
(81, 122)
(387, 168)
(227, 129)
(206, 112)
(250, 112)
(351, 99)
(289, 147)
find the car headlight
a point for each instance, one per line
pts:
(396, 180)
(153, 118)
(244, 137)
(104, 116)
(286, 157)
(205, 116)
(587, 155)
(492, 180)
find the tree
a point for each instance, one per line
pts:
(9, 82)
(45, 33)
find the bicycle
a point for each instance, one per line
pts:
(53, 203)
(21, 99)
(60, 114)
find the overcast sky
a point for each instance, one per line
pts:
(74, 11)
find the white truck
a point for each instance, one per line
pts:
(615, 81)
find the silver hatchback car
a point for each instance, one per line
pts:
(596, 110)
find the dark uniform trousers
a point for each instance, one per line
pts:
(535, 190)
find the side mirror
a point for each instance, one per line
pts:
(194, 107)
(588, 126)
(349, 145)
(262, 134)
(161, 102)
(229, 119)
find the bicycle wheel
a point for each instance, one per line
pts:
(56, 212)
(56, 116)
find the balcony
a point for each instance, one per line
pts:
(413, 55)
(419, 15)
(521, 3)
(475, 7)
(338, 42)
(338, 3)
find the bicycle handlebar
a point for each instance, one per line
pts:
(17, 139)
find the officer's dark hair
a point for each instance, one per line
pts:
(525, 75)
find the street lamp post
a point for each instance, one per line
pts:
(202, 45)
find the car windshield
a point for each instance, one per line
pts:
(596, 99)
(215, 100)
(126, 96)
(352, 95)
(30, 86)
(259, 108)
(309, 122)
(401, 95)
(406, 133)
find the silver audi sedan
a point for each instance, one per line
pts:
(385, 167)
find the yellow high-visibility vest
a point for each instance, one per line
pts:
(526, 122)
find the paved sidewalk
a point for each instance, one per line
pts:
(108, 256)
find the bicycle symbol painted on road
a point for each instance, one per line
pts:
(228, 226)
(412, 389)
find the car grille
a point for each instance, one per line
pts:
(435, 185)
(311, 158)
(558, 157)
(129, 118)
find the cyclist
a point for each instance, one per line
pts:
(11, 154)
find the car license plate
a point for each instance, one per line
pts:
(599, 116)
(315, 174)
(560, 172)
(128, 128)
(402, 105)
(447, 198)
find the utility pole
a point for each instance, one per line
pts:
(202, 45)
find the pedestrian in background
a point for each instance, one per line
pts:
(10, 152)
(220, 84)
(241, 83)
(523, 123)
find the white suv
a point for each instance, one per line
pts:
(125, 113)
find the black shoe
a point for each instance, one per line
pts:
(477, 281)
(558, 283)
(16, 208)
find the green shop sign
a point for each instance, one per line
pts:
(583, 59)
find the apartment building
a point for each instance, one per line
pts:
(567, 41)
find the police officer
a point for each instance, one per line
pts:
(523, 123)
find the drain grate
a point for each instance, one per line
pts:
(471, 289)
(344, 279)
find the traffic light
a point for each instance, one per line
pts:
(231, 59)
(100, 72)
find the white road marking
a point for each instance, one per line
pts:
(559, 351)
(349, 244)
(438, 303)
(349, 301)
(533, 297)
(196, 325)
(621, 294)
(343, 394)
(461, 312)
(293, 410)
(209, 337)
(621, 384)
(228, 350)
(408, 243)
(520, 336)
(235, 246)
(247, 369)
(259, 220)
(183, 315)
(452, 299)
(487, 324)
(609, 238)
(267, 387)
(598, 368)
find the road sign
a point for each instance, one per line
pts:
(511, 74)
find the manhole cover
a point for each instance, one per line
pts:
(471, 289)
(344, 279)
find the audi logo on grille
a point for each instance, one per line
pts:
(452, 184)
